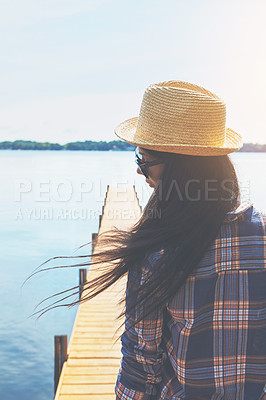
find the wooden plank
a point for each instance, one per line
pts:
(98, 347)
(90, 379)
(88, 389)
(100, 328)
(87, 396)
(95, 341)
(93, 353)
(95, 335)
(110, 324)
(101, 311)
(95, 370)
(90, 362)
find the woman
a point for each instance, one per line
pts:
(195, 327)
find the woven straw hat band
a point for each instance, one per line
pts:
(168, 112)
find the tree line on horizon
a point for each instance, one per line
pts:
(115, 145)
(87, 145)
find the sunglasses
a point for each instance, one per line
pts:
(144, 166)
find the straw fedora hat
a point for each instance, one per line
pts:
(180, 117)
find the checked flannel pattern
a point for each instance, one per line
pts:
(209, 342)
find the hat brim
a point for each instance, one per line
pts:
(127, 130)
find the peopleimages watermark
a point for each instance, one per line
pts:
(207, 189)
(60, 214)
(56, 190)
(45, 213)
(64, 191)
(65, 200)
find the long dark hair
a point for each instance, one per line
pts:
(183, 217)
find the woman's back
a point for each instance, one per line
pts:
(209, 341)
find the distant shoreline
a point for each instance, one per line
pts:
(89, 145)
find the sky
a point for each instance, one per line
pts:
(72, 70)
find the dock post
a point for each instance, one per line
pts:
(104, 203)
(93, 238)
(60, 356)
(106, 195)
(100, 220)
(82, 279)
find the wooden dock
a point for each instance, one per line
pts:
(93, 356)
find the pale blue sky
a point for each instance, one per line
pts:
(74, 69)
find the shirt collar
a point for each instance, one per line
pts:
(244, 210)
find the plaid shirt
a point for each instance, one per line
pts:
(209, 341)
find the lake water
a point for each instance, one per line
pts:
(50, 205)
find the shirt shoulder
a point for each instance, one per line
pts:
(246, 211)
(239, 245)
(246, 220)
